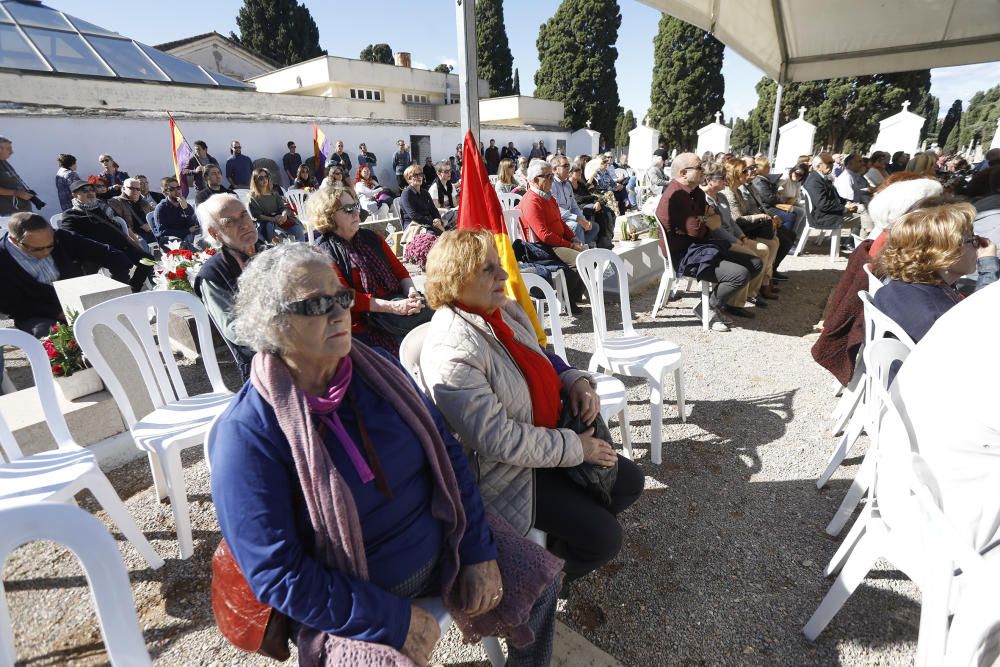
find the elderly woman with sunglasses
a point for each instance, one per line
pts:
(929, 249)
(504, 396)
(269, 209)
(342, 496)
(387, 304)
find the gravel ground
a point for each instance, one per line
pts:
(724, 553)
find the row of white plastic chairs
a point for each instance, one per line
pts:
(902, 519)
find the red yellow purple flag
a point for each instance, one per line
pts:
(182, 153)
(322, 149)
(479, 208)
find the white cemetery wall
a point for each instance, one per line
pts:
(713, 138)
(795, 138)
(582, 142)
(642, 141)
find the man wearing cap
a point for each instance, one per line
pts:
(133, 208)
(87, 219)
(33, 256)
(239, 167)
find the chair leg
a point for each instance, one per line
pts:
(656, 422)
(803, 237)
(159, 481)
(626, 436)
(679, 386)
(859, 487)
(845, 409)
(706, 311)
(563, 290)
(661, 293)
(843, 447)
(857, 567)
(179, 503)
(854, 537)
(8, 654)
(494, 652)
(932, 637)
(120, 516)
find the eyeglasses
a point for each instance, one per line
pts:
(975, 241)
(350, 209)
(546, 177)
(34, 249)
(107, 159)
(86, 191)
(172, 188)
(315, 306)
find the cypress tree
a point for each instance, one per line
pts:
(495, 59)
(979, 122)
(577, 54)
(951, 120)
(625, 124)
(517, 82)
(377, 53)
(688, 87)
(282, 30)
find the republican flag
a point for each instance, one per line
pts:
(479, 208)
(322, 149)
(182, 153)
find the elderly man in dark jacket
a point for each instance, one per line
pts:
(828, 210)
(33, 256)
(87, 219)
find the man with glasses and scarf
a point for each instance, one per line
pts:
(227, 225)
(33, 256)
(88, 219)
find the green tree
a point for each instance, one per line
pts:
(741, 139)
(444, 68)
(757, 134)
(951, 120)
(624, 125)
(517, 82)
(282, 30)
(930, 112)
(495, 59)
(979, 123)
(576, 55)
(378, 53)
(688, 87)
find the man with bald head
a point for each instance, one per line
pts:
(685, 221)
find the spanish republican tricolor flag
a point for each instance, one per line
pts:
(182, 153)
(322, 149)
(479, 208)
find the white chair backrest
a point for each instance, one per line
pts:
(591, 265)
(3, 222)
(874, 284)
(56, 221)
(512, 219)
(128, 318)
(509, 200)
(46, 388)
(493, 179)
(297, 198)
(409, 352)
(243, 194)
(210, 442)
(535, 281)
(878, 324)
(396, 211)
(809, 203)
(110, 590)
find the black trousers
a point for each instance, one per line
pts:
(581, 530)
(730, 275)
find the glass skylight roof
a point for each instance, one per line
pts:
(41, 39)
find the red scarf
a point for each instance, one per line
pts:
(543, 382)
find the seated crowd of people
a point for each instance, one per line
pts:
(369, 489)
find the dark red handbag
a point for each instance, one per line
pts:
(246, 622)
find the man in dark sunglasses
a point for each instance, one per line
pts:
(33, 256)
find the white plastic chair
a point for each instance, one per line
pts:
(178, 421)
(56, 220)
(409, 352)
(512, 220)
(297, 198)
(895, 525)
(609, 389)
(877, 325)
(509, 200)
(874, 284)
(243, 194)
(102, 564)
(493, 179)
(669, 284)
(804, 236)
(56, 476)
(648, 357)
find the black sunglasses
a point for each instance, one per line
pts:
(315, 306)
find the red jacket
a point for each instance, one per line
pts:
(542, 217)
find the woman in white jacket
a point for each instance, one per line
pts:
(503, 396)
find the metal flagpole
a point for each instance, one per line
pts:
(774, 125)
(468, 63)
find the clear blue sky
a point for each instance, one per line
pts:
(427, 30)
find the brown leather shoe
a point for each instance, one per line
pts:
(767, 292)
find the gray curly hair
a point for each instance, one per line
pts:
(264, 289)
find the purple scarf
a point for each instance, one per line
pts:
(377, 277)
(525, 568)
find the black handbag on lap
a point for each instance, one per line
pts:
(597, 480)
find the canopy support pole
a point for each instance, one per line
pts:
(774, 125)
(468, 63)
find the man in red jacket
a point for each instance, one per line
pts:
(540, 213)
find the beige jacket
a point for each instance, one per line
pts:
(484, 398)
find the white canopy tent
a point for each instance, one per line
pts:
(798, 40)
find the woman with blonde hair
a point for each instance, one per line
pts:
(505, 178)
(929, 249)
(923, 163)
(269, 209)
(755, 223)
(509, 402)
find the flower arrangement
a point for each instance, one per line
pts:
(178, 267)
(417, 249)
(65, 356)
